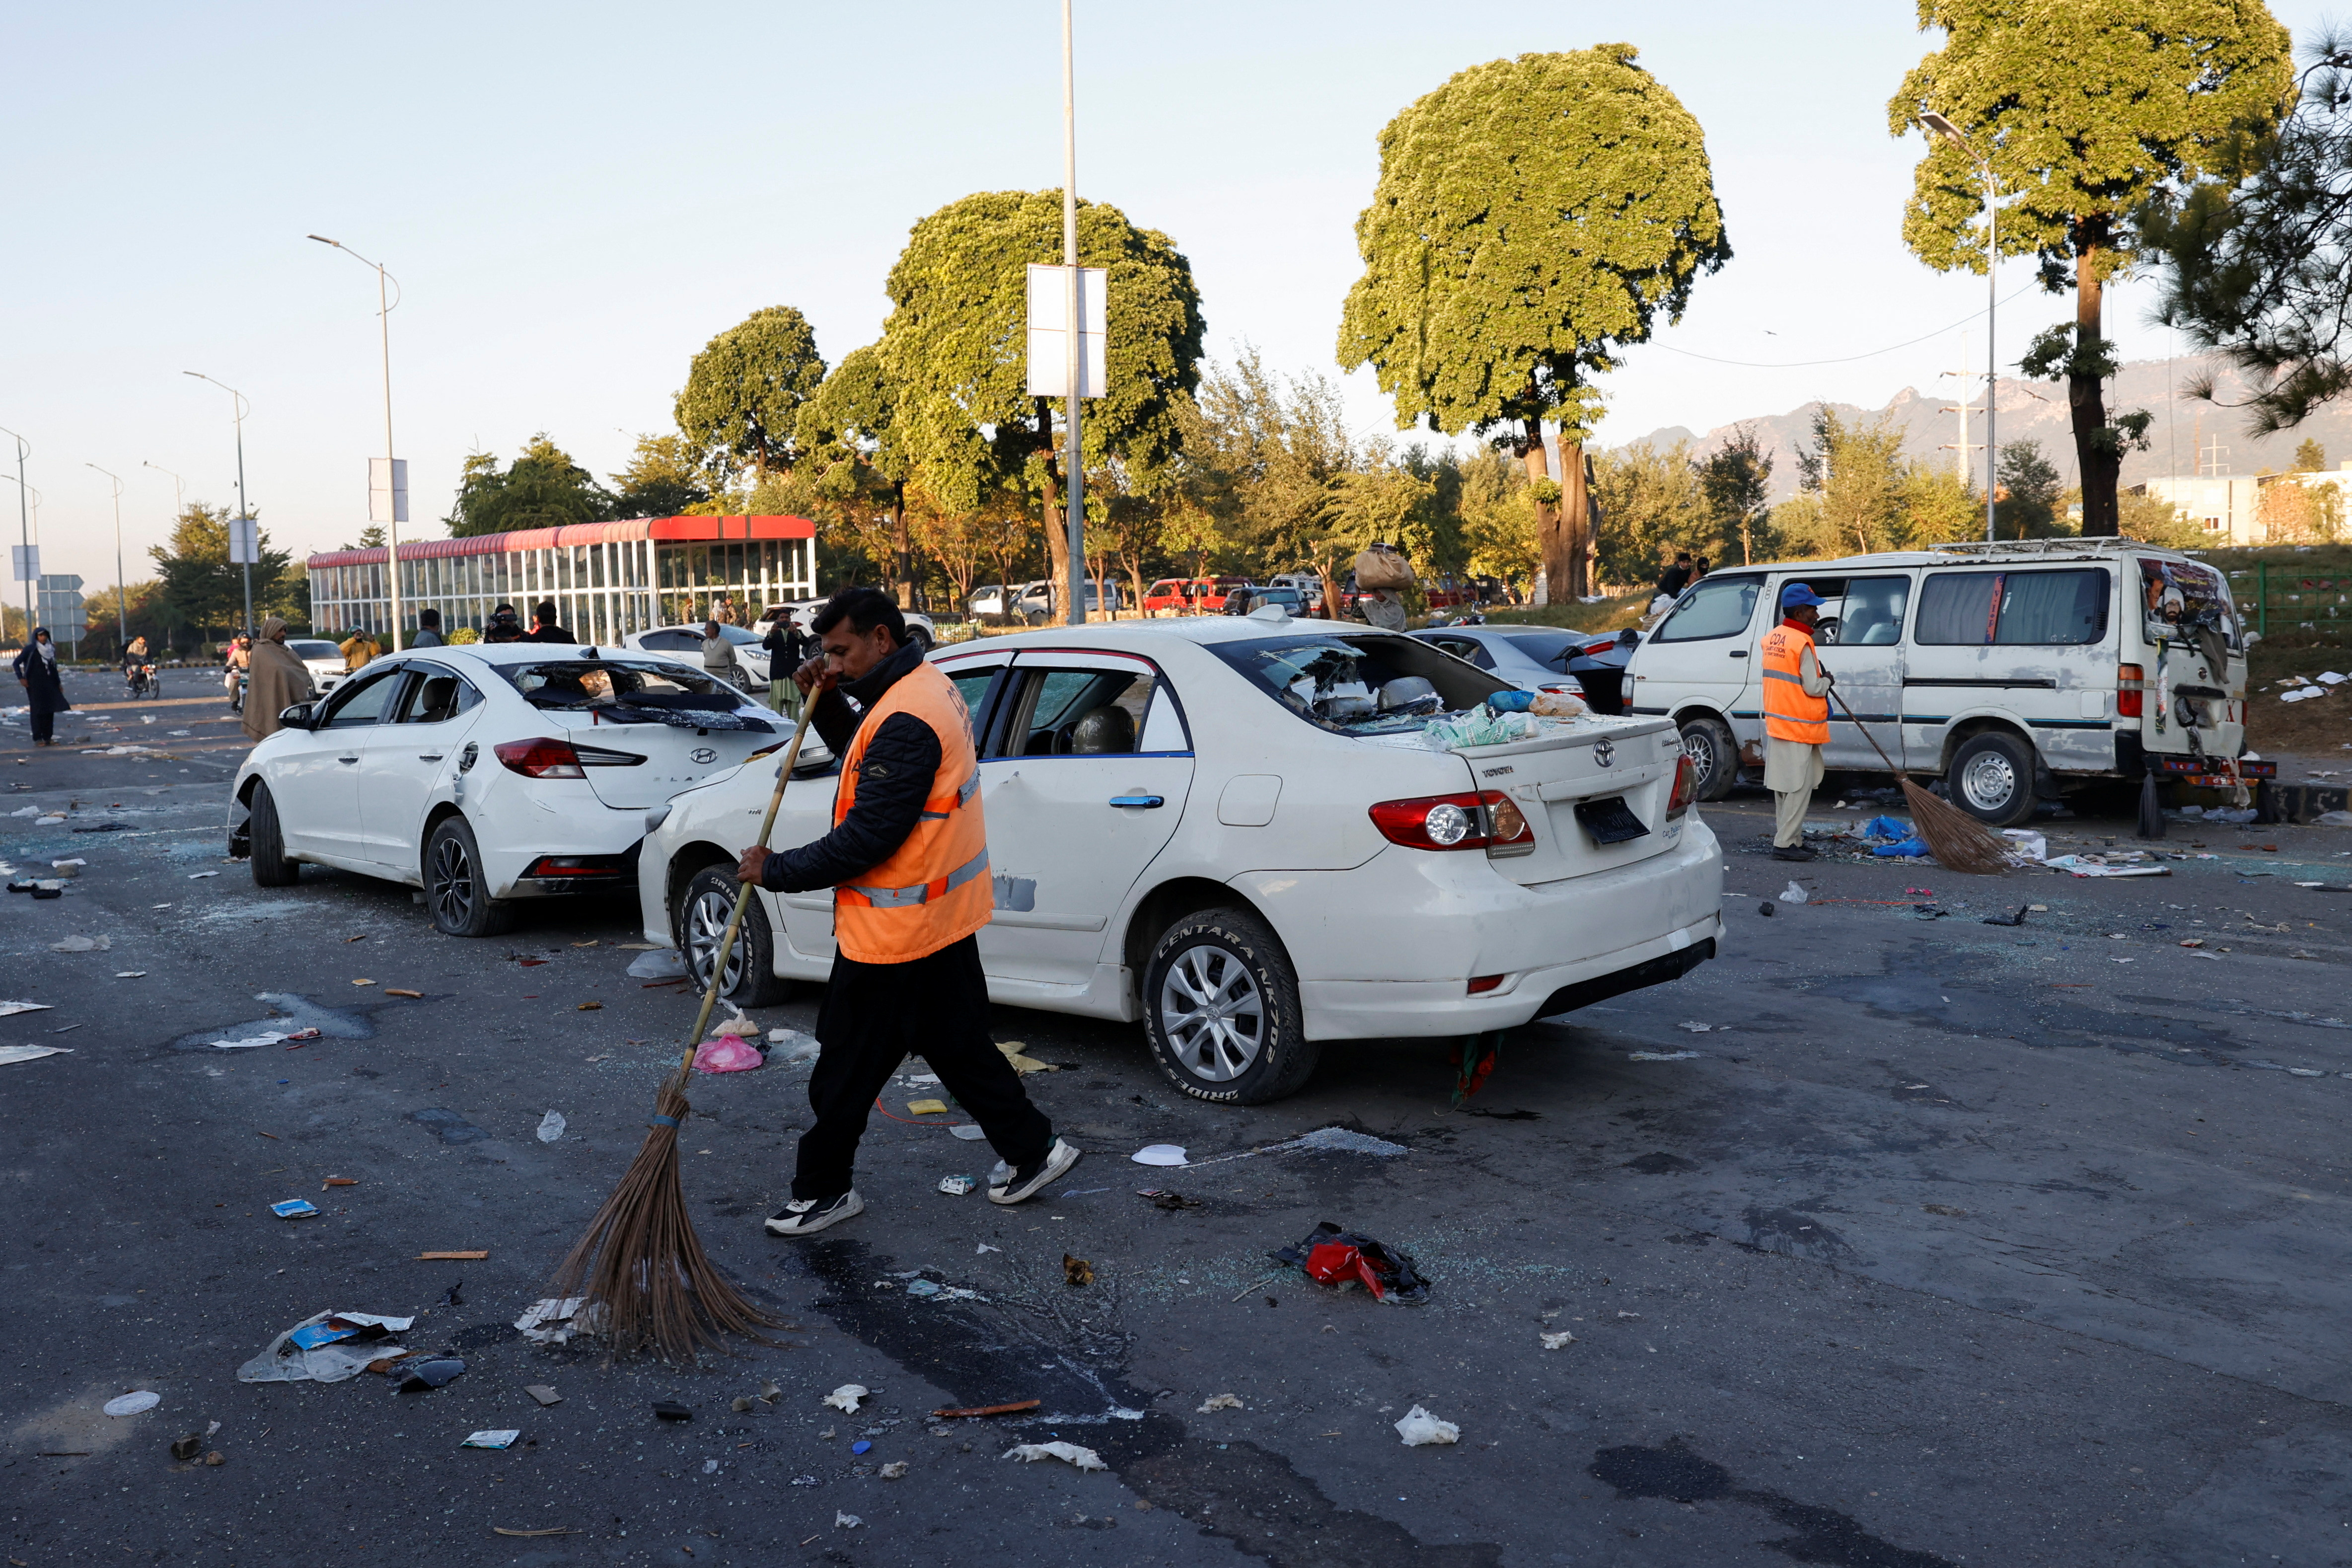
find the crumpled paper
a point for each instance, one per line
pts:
(284, 1361)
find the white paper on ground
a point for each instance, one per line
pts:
(10, 1054)
(1159, 1154)
(550, 1127)
(1030, 1452)
(8, 1009)
(132, 1404)
(323, 1364)
(1419, 1427)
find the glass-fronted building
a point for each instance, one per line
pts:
(607, 579)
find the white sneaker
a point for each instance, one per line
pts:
(1011, 1186)
(805, 1216)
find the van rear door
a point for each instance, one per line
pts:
(2193, 660)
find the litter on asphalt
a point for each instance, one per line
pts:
(552, 1320)
(1793, 894)
(82, 945)
(429, 1372)
(326, 1348)
(1030, 1452)
(1023, 1064)
(669, 964)
(1342, 1260)
(11, 1054)
(671, 1410)
(957, 1186)
(1662, 1056)
(294, 1208)
(844, 1398)
(497, 1437)
(134, 1404)
(845, 1521)
(1559, 1340)
(927, 1108)
(1419, 1427)
(727, 1052)
(10, 1009)
(544, 1395)
(970, 1131)
(1221, 1402)
(894, 1470)
(550, 1127)
(1159, 1154)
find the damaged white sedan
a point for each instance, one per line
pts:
(1247, 834)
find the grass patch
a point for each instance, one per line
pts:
(1609, 615)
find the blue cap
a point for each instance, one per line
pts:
(1797, 594)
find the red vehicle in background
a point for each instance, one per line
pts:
(1189, 595)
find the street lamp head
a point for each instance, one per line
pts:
(1941, 126)
(322, 239)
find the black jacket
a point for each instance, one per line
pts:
(45, 689)
(550, 633)
(894, 780)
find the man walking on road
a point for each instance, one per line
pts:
(1796, 719)
(907, 862)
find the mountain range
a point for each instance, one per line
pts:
(2036, 411)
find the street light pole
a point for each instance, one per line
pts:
(122, 607)
(179, 505)
(244, 508)
(1951, 132)
(391, 471)
(1074, 515)
(24, 525)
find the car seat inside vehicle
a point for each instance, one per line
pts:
(1077, 712)
(1338, 681)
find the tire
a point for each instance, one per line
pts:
(1992, 779)
(271, 868)
(1709, 742)
(454, 895)
(1254, 1049)
(753, 979)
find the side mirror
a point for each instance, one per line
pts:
(297, 716)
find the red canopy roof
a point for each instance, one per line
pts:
(664, 529)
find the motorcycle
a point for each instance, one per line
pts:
(140, 680)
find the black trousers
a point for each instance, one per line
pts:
(873, 1017)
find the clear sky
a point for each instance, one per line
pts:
(576, 197)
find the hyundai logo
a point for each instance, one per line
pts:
(705, 754)
(1603, 752)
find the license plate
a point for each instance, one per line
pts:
(1610, 820)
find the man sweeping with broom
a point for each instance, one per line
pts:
(1796, 719)
(907, 862)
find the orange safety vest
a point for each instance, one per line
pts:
(1788, 713)
(934, 889)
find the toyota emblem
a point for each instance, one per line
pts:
(1603, 752)
(705, 754)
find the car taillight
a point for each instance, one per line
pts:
(1489, 820)
(1685, 788)
(2128, 688)
(1595, 649)
(540, 759)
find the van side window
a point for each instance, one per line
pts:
(1718, 607)
(1873, 615)
(2013, 608)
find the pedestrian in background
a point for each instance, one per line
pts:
(1796, 719)
(504, 626)
(275, 681)
(723, 612)
(234, 665)
(718, 656)
(45, 689)
(907, 864)
(358, 650)
(546, 627)
(787, 647)
(1671, 584)
(428, 629)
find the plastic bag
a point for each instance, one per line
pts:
(1476, 727)
(1912, 848)
(727, 1052)
(1888, 827)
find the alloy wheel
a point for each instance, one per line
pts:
(1212, 1014)
(453, 882)
(706, 924)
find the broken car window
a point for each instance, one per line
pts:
(1370, 685)
(635, 691)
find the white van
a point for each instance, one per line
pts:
(2008, 669)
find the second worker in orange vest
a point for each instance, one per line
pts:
(1796, 719)
(908, 862)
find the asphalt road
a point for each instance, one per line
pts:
(1943, 1242)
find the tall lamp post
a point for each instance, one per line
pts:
(1074, 516)
(395, 493)
(121, 607)
(179, 505)
(1951, 132)
(23, 526)
(243, 556)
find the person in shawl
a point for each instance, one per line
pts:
(45, 690)
(275, 681)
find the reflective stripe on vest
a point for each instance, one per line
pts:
(934, 889)
(1790, 714)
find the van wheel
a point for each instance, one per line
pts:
(1708, 743)
(1221, 1009)
(456, 894)
(271, 868)
(752, 980)
(1992, 779)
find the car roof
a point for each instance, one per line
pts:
(2007, 553)
(1139, 637)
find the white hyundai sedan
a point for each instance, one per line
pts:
(1232, 830)
(486, 774)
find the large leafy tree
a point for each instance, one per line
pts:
(543, 489)
(664, 479)
(2082, 111)
(1533, 216)
(745, 390)
(954, 350)
(848, 436)
(2257, 259)
(1734, 486)
(201, 589)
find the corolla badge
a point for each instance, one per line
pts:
(703, 754)
(1603, 752)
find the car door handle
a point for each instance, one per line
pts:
(430, 756)
(1739, 653)
(1146, 801)
(347, 759)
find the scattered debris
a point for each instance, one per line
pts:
(927, 1108)
(1697, 1028)
(1342, 1140)
(2016, 920)
(1030, 1452)
(428, 1372)
(582, 1008)
(10, 1054)
(957, 1186)
(892, 1471)
(453, 1257)
(544, 1395)
(551, 1126)
(397, 990)
(10, 1009)
(844, 1398)
(660, 964)
(454, 1296)
(726, 1051)
(1169, 1201)
(1662, 1056)
(550, 1321)
(1793, 894)
(970, 1131)
(134, 1404)
(845, 1521)
(1221, 1402)
(82, 945)
(497, 1437)
(294, 1208)
(1077, 1271)
(1023, 1064)
(1340, 1258)
(1014, 1408)
(326, 1348)
(554, 1529)
(188, 1447)
(671, 1410)
(1160, 1154)
(131, 974)
(1559, 1340)
(1419, 1427)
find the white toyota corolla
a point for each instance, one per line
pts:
(487, 773)
(1232, 830)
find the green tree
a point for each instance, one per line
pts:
(744, 391)
(664, 479)
(2256, 260)
(1260, 454)
(2082, 112)
(1734, 485)
(200, 590)
(1860, 495)
(543, 489)
(2154, 521)
(1655, 501)
(2027, 506)
(2310, 457)
(1533, 215)
(848, 435)
(954, 349)
(1499, 518)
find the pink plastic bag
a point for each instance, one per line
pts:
(727, 1052)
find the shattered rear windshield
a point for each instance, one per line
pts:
(1375, 684)
(644, 692)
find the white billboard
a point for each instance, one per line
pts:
(1048, 321)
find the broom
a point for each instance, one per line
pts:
(1959, 841)
(640, 1271)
